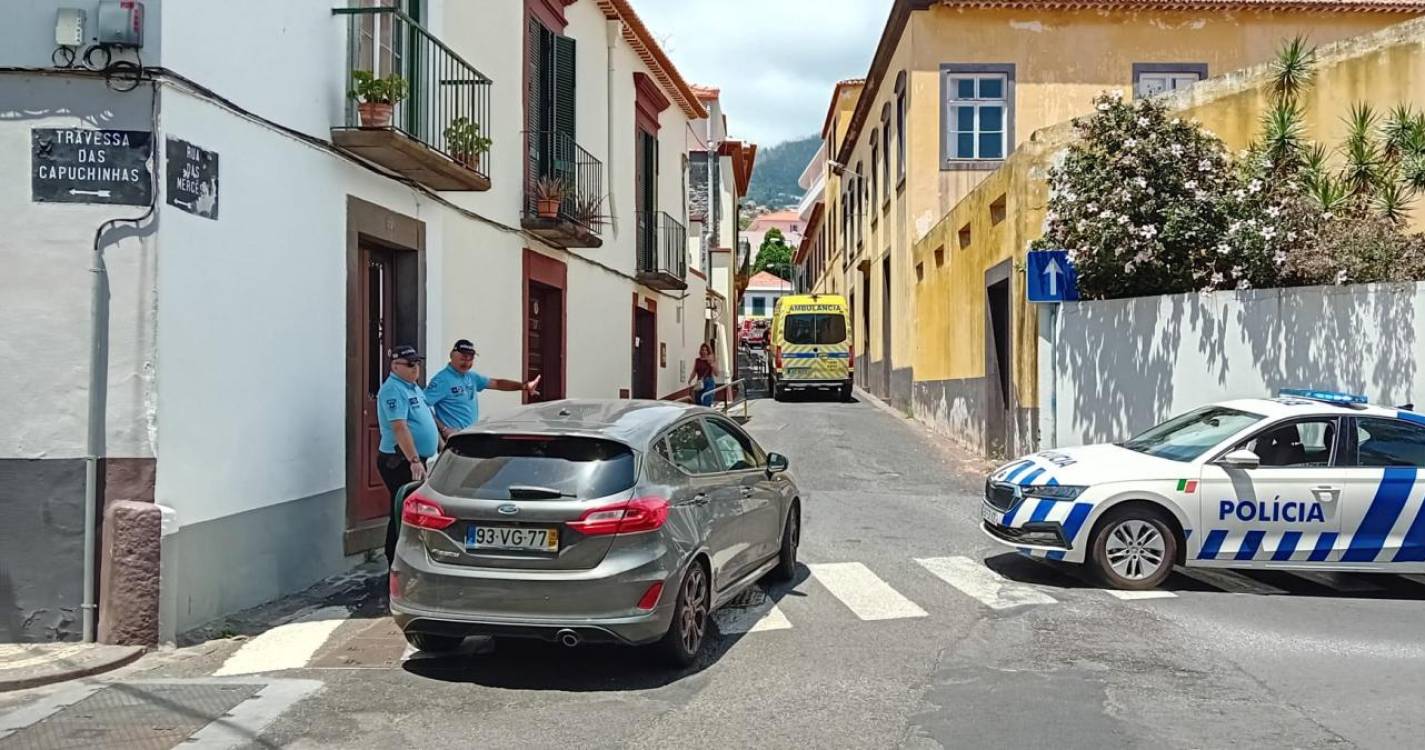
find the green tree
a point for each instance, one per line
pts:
(774, 256)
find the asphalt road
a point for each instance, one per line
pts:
(906, 628)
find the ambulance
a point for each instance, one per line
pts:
(1308, 480)
(811, 345)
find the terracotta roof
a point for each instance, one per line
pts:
(706, 93)
(764, 280)
(779, 216)
(646, 47)
(901, 10)
(744, 159)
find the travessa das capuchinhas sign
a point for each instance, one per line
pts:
(80, 165)
(191, 178)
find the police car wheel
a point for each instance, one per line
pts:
(1134, 549)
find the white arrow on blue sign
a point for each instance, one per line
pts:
(1050, 277)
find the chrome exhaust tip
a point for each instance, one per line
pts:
(567, 638)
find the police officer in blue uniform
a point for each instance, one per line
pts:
(408, 432)
(454, 391)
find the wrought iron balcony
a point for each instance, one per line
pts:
(662, 251)
(564, 203)
(415, 107)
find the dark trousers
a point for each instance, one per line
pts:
(396, 473)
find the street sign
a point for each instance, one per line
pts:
(1050, 277)
(83, 165)
(191, 178)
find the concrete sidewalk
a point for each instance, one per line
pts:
(28, 665)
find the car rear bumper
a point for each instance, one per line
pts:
(814, 383)
(599, 604)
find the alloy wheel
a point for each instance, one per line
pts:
(1135, 549)
(695, 609)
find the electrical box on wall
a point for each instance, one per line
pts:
(121, 23)
(69, 27)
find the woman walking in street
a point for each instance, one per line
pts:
(703, 380)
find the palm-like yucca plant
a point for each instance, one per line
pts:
(1293, 69)
(1412, 172)
(1315, 162)
(1392, 201)
(1364, 161)
(1329, 193)
(1399, 132)
(1284, 134)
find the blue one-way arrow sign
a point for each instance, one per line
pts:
(1050, 277)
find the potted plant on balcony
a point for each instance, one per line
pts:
(548, 195)
(466, 145)
(589, 210)
(376, 97)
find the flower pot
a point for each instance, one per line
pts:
(548, 209)
(471, 161)
(375, 114)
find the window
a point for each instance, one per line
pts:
(759, 305)
(886, 152)
(997, 211)
(1296, 444)
(691, 450)
(1151, 79)
(977, 116)
(1187, 436)
(900, 126)
(875, 170)
(818, 329)
(1389, 442)
(734, 448)
(493, 467)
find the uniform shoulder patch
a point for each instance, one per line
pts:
(390, 403)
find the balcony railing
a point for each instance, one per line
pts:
(564, 202)
(438, 132)
(662, 251)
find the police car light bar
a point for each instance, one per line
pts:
(1330, 397)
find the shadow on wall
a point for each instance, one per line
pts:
(1124, 365)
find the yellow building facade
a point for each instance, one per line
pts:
(955, 90)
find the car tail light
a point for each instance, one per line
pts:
(630, 517)
(651, 596)
(422, 513)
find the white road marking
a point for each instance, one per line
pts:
(1129, 596)
(764, 616)
(1335, 581)
(288, 646)
(863, 592)
(988, 587)
(1233, 583)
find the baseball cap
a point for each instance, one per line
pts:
(464, 347)
(407, 352)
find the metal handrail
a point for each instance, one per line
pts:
(662, 244)
(446, 93)
(727, 403)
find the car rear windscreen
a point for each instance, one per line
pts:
(814, 328)
(488, 466)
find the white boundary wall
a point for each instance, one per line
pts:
(1120, 366)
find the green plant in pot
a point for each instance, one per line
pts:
(548, 195)
(377, 97)
(464, 142)
(589, 210)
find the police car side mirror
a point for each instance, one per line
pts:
(1242, 459)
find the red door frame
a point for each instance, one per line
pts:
(551, 272)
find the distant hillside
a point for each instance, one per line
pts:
(774, 179)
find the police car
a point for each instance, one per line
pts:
(1308, 480)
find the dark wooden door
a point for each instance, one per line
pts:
(545, 333)
(999, 397)
(645, 346)
(886, 324)
(378, 295)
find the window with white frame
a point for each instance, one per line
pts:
(978, 113)
(1151, 79)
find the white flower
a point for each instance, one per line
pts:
(1128, 267)
(1204, 166)
(1341, 276)
(1224, 249)
(1092, 207)
(1103, 107)
(1240, 194)
(1123, 218)
(1328, 216)
(1216, 279)
(1141, 182)
(1252, 223)
(1244, 284)
(1255, 186)
(1274, 211)
(1236, 270)
(1106, 214)
(1279, 258)
(1177, 120)
(1291, 236)
(1190, 184)
(1149, 231)
(1116, 94)
(1200, 195)
(1143, 122)
(1177, 149)
(1269, 232)
(1072, 255)
(1130, 143)
(1143, 256)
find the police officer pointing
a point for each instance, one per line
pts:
(408, 432)
(454, 391)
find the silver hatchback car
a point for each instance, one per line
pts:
(600, 520)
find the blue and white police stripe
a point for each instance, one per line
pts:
(1391, 531)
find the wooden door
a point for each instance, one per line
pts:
(645, 346)
(545, 340)
(378, 296)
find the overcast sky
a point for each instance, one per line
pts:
(775, 60)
